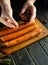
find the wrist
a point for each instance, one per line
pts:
(32, 1)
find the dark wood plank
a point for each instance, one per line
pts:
(38, 54)
(42, 16)
(44, 44)
(45, 14)
(13, 62)
(22, 57)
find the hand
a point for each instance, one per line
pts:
(28, 11)
(7, 14)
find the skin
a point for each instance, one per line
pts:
(7, 12)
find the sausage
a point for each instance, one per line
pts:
(18, 33)
(23, 38)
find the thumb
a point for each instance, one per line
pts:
(33, 16)
(23, 10)
(12, 21)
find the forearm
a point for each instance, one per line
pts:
(33, 1)
(4, 3)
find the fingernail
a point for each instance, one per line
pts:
(13, 26)
(16, 24)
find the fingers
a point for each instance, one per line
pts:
(24, 8)
(31, 11)
(10, 22)
(33, 15)
(27, 14)
(7, 23)
(13, 22)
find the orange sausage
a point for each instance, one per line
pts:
(18, 33)
(23, 38)
(10, 30)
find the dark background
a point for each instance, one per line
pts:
(18, 4)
